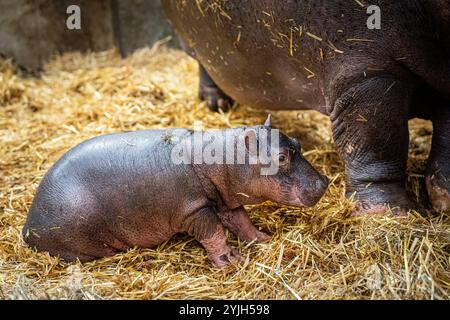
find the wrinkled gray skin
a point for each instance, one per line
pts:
(119, 191)
(319, 54)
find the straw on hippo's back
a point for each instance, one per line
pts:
(119, 191)
(321, 55)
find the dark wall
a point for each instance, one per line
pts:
(140, 23)
(31, 31)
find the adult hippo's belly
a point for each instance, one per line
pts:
(266, 82)
(321, 55)
(248, 59)
(261, 77)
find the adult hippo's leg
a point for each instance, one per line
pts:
(208, 90)
(438, 167)
(370, 128)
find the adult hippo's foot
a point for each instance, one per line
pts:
(439, 195)
(384, 198)
(370, 128)
(214, 96)
(438, 167)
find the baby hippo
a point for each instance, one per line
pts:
(138, 189)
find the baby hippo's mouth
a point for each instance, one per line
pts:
(297, 202)
(310, 194)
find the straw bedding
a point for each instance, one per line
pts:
(315, 253)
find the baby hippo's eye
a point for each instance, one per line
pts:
(282, 157)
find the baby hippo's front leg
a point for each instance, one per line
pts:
(206, 227)
(238, 222)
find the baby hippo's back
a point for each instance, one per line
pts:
(111, 193)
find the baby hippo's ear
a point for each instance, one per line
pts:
(251, 142)
(268, 122)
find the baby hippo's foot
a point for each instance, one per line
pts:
(239, 223)
(219, 252)
(207, 229)
(383, 199)
(438, 192)
(261, 236)
(224, 259)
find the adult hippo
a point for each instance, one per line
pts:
(317, 54)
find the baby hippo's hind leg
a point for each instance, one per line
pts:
(68, 230)
(72, 257)
(238, 222)
(70, 245)
(51, 241)
(437, 175)
(205, 226)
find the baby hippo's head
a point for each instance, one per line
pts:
(275, 169)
